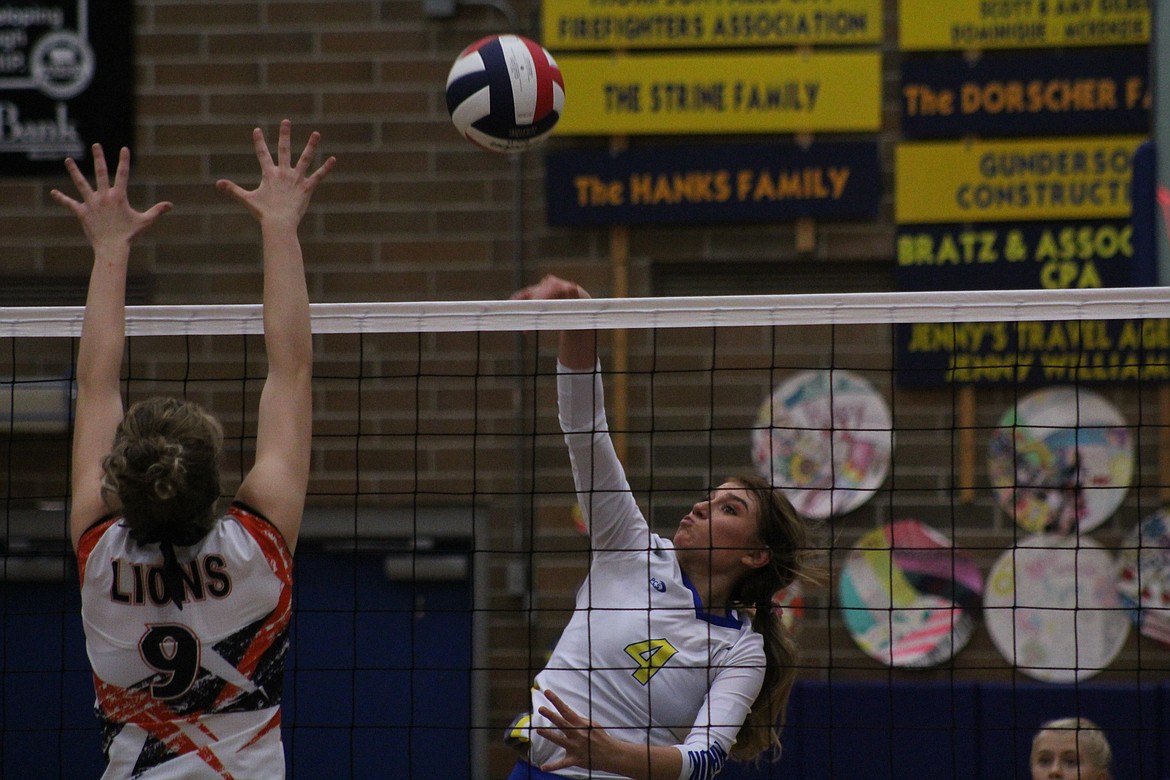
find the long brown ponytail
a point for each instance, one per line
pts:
(785, 534)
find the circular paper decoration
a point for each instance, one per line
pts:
(908, 597)
(1061, 460)
(791, 601)
(1052, 608)
(824, 438)
(1143, 576)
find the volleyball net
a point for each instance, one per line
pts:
(984, 474)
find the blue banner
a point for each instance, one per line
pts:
(1032, 353)
(1025, 255)
(1017, 255)
(713, 183)
(1057, 93)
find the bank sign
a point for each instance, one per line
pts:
(66, 82)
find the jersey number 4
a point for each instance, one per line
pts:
(650, 656)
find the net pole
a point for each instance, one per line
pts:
(619, 259)
(966, 444)
(805, 228)
(1164, 443)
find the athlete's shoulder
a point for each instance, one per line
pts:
(92, 535)
(255, 525)
(98, 527)
(748, 640)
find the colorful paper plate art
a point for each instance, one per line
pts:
(909, 598)
(824, 438)
(791, 601)
(1052, 608)
(1143, 576)
(1061, 460)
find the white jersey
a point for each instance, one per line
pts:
(190, 693)
(640, 655)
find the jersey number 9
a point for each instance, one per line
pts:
(172, 651)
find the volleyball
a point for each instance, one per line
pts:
(505, 93)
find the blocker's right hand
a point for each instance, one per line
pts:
(550, 288)
(285, 188)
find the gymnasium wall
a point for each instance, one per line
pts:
(414, 212)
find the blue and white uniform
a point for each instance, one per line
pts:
(640, 656)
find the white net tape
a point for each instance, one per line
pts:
(671, 312)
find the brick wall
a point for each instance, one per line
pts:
(413, 212)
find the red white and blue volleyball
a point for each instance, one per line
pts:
(505, 93)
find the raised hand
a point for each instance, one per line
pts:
(550, 288)
(104, 209)
(577, 348)
(284, 191)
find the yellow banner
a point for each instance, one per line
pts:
(1013, 180)
(667, 94)
(663, 24)
(1012, 24)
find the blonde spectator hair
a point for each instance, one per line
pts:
(1092, 745)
